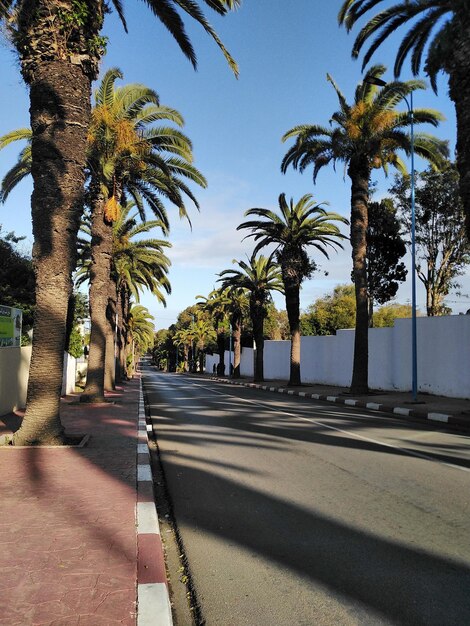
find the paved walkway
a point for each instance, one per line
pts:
(68, 541)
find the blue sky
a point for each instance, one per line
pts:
(284, 50)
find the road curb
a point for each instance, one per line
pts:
(153, 599)
(396, 411)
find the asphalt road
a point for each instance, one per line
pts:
(296, 512)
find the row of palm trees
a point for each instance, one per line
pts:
(134, 163)
(365, 135)
(246, 290)
(59, 46)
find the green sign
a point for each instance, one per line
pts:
(10, 326)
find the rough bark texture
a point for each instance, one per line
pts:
(58, 64)
(221, 351)
(60, 110)
(257, 314)
(124, 333)
(292, 290)
(458, 68)
(237, 334)
(100, 277)
(359, 174)
(111, 332)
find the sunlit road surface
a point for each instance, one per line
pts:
(296, 512)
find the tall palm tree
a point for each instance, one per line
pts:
(127, 156)
(258, 277)
(364, 135)
(237, 309)
(201, 331)
(140, 332)
(298, 227)
(217, 305)
(59, 47)
(136, 264)
(184, 337)
(441, 28)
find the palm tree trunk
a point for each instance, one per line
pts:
(221, 350)
(124, 330)
(100, 276)
(371, 312)
(292, 290)
(119, 339)
(111, 333)
(257, 319)
(237, 335)
(60, 113)
(458, 68)
(359, 173)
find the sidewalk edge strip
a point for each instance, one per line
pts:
(153, 600)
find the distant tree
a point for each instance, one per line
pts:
(185, 320)
(277, 324)
(442, 249)
(386, 315)
(259, 276)
(238, 312)
(202, 332)
(385, 248)
(77, 312)
(217, 305)
(332, 312)
(183, 337)
(140, 334)
(162, 348)
(16, 277)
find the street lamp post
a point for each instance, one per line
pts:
(414, 345)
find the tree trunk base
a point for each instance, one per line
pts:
(359, 390)
(52, 440)
(91, 398)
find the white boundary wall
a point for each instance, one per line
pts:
(14, 374)
(443, 357)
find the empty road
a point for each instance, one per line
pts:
(296, 512)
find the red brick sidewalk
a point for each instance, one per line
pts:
(67, 524)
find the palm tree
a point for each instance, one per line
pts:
(184, 337)
(201, 331)
(259, 277)
(126, 156)
(365, 135)
(140, 331)
(22, 167)
(237, 309)
(136, 264)
(217, 305)
(59, 48)
(441, 27)
(298, 227)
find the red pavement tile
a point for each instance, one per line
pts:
(67, 529)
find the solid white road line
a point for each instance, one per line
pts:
(340, 430)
